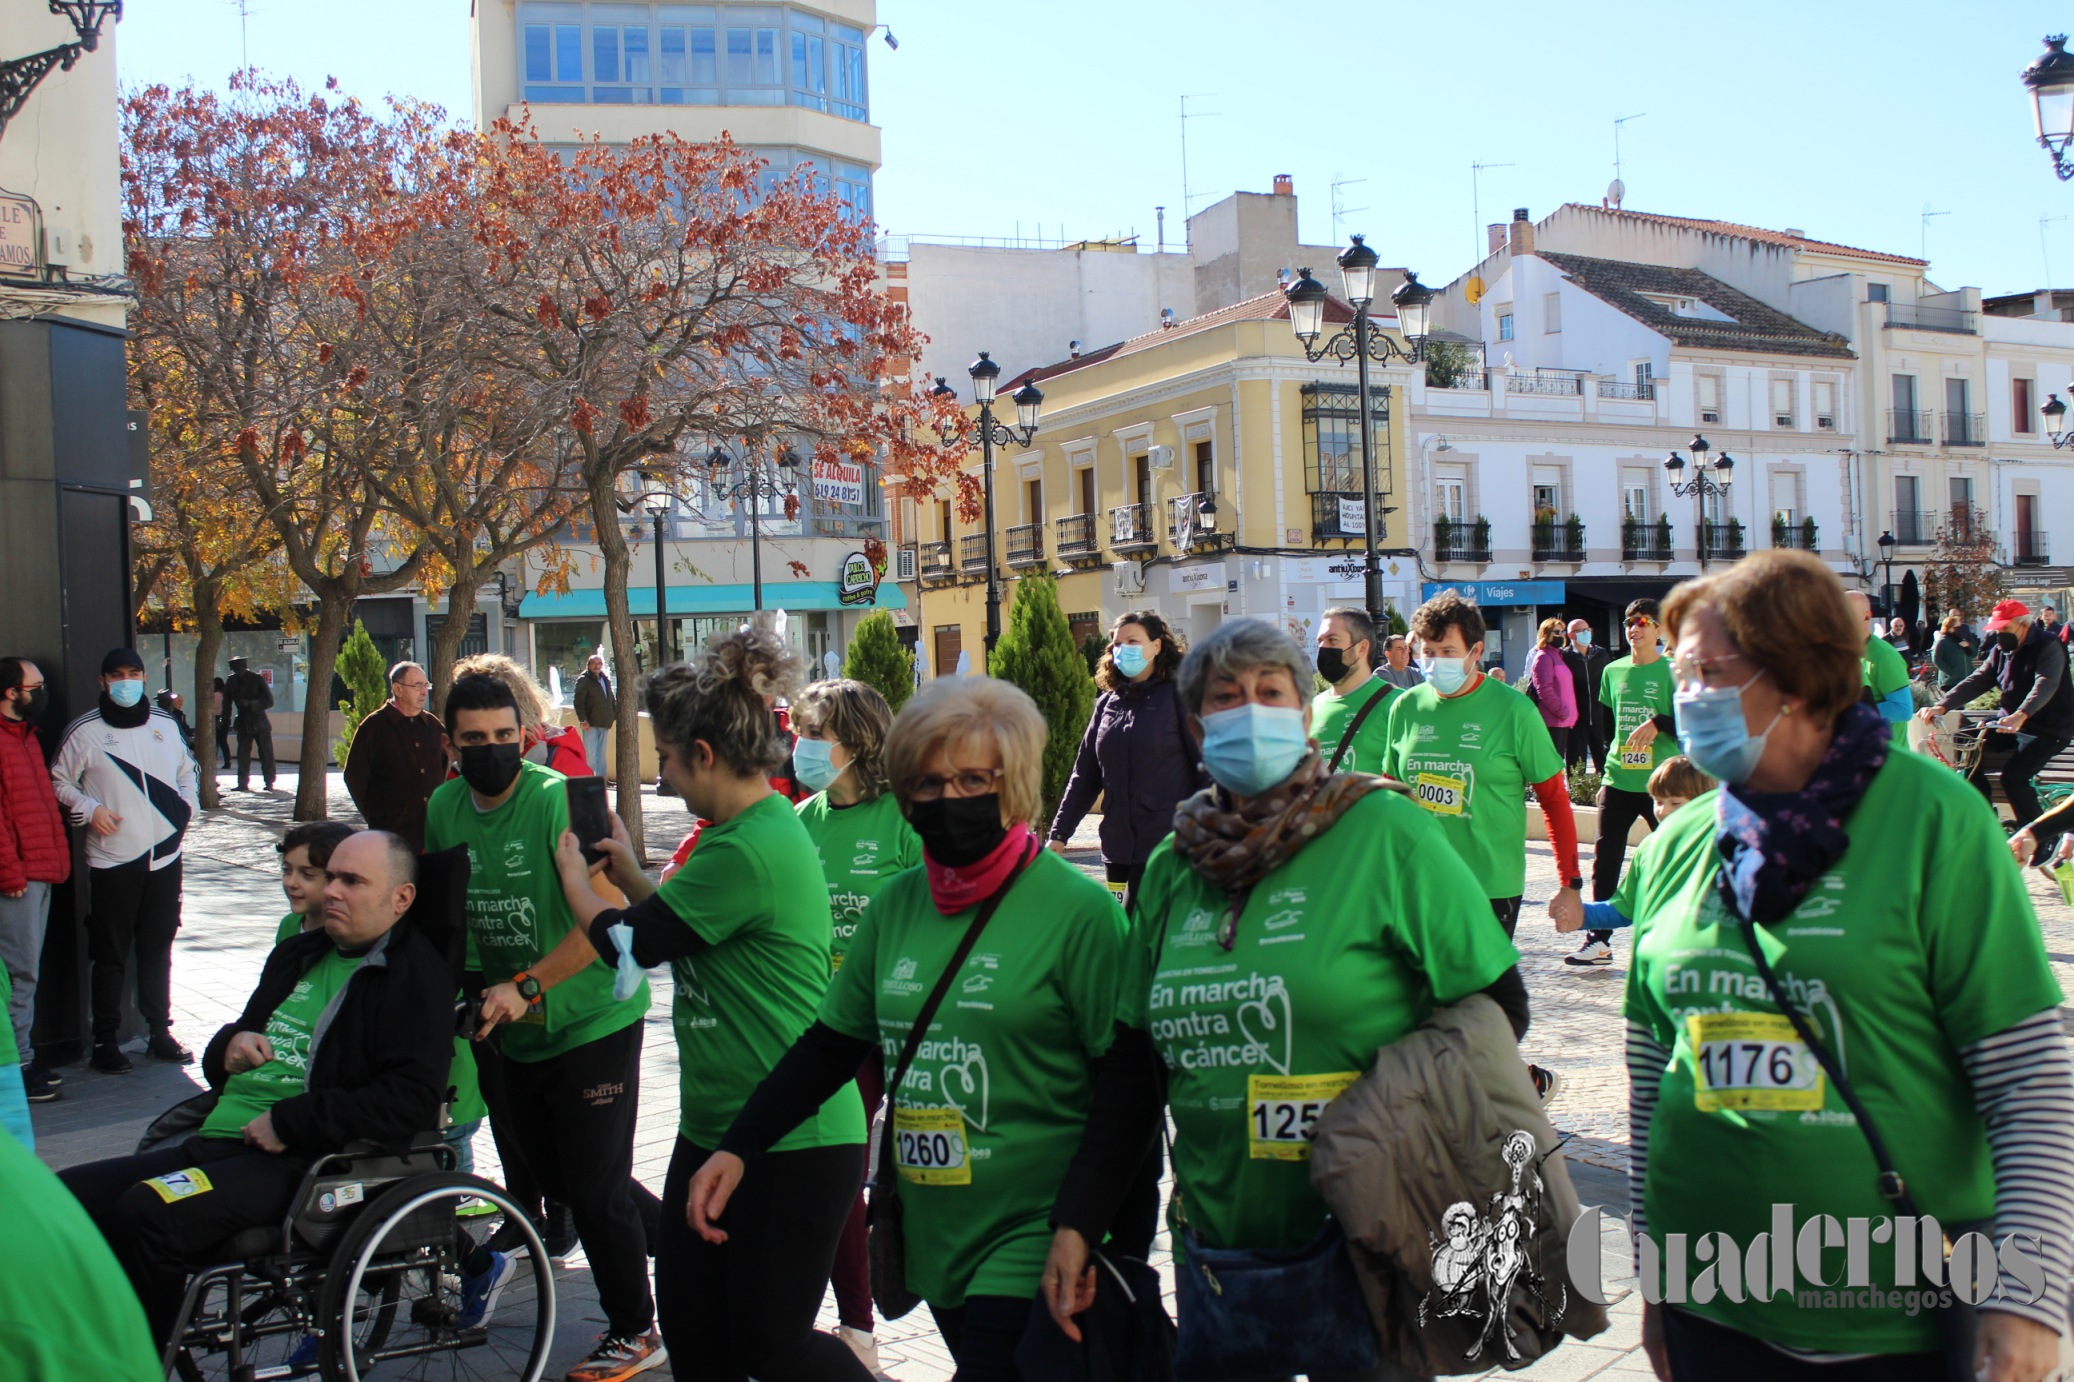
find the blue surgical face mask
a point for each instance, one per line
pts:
(1129, 658)
(126, 693)
(812, 760)
(1714, 735)
(1583, 637)
(1447, 675)
(1250, 748)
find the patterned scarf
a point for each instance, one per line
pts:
(1234, 848)
(1774, 845)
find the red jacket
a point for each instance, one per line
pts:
(33, 845)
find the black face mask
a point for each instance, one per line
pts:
(958, 831)
(2005, 640)
(1332, 664)
(31, 706)
(490, 768)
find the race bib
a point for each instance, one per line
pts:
(1441, 793)
(1282, 1112)
(1637, 758)
(1752, 1061)
(929, 1144)
(1117, 890)
(180, 1185)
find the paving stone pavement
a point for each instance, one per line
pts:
(233, 902)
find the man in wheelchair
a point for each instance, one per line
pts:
(347, 1039)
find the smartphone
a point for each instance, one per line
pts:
(589, 816)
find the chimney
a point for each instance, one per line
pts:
(1522, 231)
(1285, 185)
(1073, 348)
(1496, 232)
(1166, 318)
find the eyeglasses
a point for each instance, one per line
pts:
(1640, 621)
(412, 685)
(1687, 669)
(969, 782)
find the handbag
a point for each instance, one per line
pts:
(1247, 1313)
(1958, 1324)
(886, 1235)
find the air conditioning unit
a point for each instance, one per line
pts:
(1710, 415)
(1130, 577)
(904, 564)
(1160, 458)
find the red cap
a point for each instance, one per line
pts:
(2005, 611)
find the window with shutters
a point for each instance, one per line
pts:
(1782, 402)
(1707, 388)
(2022, 412)
(1825, 405)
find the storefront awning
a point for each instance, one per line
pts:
(1501, 592)
(688, 600)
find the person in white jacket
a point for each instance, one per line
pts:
(124, 772)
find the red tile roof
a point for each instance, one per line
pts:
(1757, 233)
(1269, 306)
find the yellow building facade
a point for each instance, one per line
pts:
(1206, 470)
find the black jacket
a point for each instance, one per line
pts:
(595, 706)
(248, 695)
(1137, 756)
(378, 1057)
(2033, 679)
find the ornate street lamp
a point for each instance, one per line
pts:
(19, 76)
(1710, 478)
(1361, 342)
(754, 484)
(2055, 414)
(1886, 546)
(1029, 402)
(2051, 83)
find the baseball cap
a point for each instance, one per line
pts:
(2005, 612)
(121, 660)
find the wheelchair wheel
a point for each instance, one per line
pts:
(397, 1287)
(273, 1324)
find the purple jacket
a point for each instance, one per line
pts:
(1137, 755)
(1553, 688)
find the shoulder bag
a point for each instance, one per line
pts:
(886, 1242)
(1346, 738)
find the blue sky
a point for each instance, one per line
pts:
(1845, 120)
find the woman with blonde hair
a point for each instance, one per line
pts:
(546, 742)
(989, 980)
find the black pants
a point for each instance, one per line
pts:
(223, 732)
(519, 1180)
(125, 908)
(745, 1308)
(1702, 1351)
(1587, 742)
(984, 1333)
(572, 1117)
(1506, 909)
(1618, 811)
(2027, 755)
(1559, 735)
(260, 731)
(159, 1235)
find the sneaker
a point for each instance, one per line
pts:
(37, 1086)
(479, 1293)
(1590, 953)
(475, 1207)
(863, 1345)
(1547, 1084)
(510, 1239)
(304, 1359)
(559, 1232)
(109, 1059)
(37, 1070)
(166, 1047)
(613, 1358)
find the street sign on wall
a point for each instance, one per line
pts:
(21, 250)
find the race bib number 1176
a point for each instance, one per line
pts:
(1752, 1061)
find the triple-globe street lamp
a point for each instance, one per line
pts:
(1710, 479)
(754, 483)
(1029, 401)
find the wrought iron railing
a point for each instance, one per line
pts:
(1026, 544)
(1461, 541)
(1721, 539)
(933, 561)
(1552, 385)
(1621, 388)
(1909, 426)
(1129, 528)
(1921, 318)
(1077, 535)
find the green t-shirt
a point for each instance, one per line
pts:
(291, 925)
(861, 846)
(1342, 950)
(1919, 942)
(1469, 760)
(991, 1111)
(517, 913)
(1635, 694)
(66, 1309)
(753, 892)
(1886, 671)
(1331, 713)
(289, 1027)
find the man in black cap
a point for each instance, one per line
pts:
(124, 773)
(250, 698)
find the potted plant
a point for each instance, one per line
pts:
(1807, 534)
(1482, 532)
(1663, 537)
(1782, 531)
(1630, 534)
(1573, 535)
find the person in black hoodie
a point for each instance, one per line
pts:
(2027, 668)
(347, 1038)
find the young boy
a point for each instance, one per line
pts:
(1675, 782)
(304, 852)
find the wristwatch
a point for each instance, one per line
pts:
(527, 985)
(1574, 884)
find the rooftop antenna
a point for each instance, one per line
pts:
(2043, 222)
(244, 8)
(1618, 121)
(1340, 209)
(1187, 237)
(1927, 214)
(1476, 203)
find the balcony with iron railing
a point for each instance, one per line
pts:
(1722, 540)
(1640, 541)
(2031, 549)
(1466, 381)
(1130, 529)
(1965, 429)
(1461, 540)
(1337, 518)
(1547, 385)
(972, 554)
(1203, 532)
(1909, 427)
(1077, 536)
(933, 561)
(1917, 317)
(1914, 527)
(1562, 541)
(1026, 544)
(1621, 388)
(1803, 535)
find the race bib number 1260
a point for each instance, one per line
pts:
(929, 1143)
(1752, 1061)
(1282, 1112)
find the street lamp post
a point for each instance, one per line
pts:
(657, 502)
(1886, 545)
(986, 374)
(1361, 342)
(1702, 485)
(2055, 415)
(2051, 83)
(754, 486)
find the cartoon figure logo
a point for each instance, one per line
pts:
(1483, 1259)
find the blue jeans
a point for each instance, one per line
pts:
(461, 1137)
(594, 747)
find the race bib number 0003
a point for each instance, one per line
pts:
(1752, 1061)
(929, 1143)
(1282, 1112)
(1441, 793)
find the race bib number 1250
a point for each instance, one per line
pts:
(930, 1146)
(1282, 1112)
(1752, 1061)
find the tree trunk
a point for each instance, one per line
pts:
(208, 643)
(619, 617)
(446, 644)
(312, 784)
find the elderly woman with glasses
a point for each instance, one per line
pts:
(1839, 1014)
(1026, 953)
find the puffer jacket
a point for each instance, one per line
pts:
(33, 846)
(1412, 1161)
(1136, 755)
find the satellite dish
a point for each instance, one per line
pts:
(1615, 190)
(1473, 290)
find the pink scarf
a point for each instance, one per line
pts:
(954, 890)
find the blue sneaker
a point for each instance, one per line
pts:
(304, 1359)
(479, 1293)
